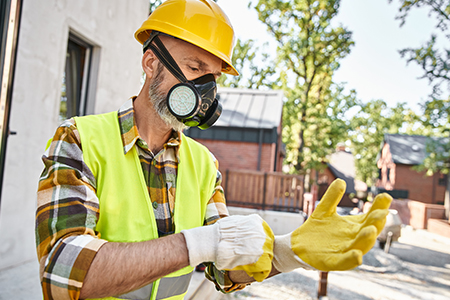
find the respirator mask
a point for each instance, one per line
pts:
(192, 102)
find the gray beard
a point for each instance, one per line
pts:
(158, 100)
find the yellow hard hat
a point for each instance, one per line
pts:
(199, 22)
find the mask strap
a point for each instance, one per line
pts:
(164, 56)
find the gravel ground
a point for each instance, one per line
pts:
(416, 267)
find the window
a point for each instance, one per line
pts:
(75, 82)
(388, 174)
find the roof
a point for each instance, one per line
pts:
(407, 149)
(342, 165)
(344, 162)
(247, 108)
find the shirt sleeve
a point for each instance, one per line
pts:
(215, 210)
(66, 216)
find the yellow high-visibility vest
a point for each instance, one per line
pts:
(126, 211)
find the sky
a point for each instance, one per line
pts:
(374, 68)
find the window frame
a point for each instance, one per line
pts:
(81, 94)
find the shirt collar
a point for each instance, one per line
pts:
(130, 133)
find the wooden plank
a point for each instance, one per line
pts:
(248, 188)
(274, 189)
(289, 191)
(283, 191)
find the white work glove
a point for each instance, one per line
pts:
(327, 241)
(230, 242)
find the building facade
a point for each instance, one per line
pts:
(396, 160)
(73, 58)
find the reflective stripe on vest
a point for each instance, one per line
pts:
(126, 212)
(168, 287)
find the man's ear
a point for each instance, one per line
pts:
(149, 63)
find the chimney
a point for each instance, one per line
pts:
(340, 147)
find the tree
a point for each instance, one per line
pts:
(434, 62)
(436, 66)
(308, 52)
(252, 75)
(437, 117)
(370, 123)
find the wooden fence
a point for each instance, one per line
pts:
(266, 191)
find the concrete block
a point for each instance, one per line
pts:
(280, 222)
(441, 227)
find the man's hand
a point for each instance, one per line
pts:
(329, 242)
(234, 241)
(262, 268)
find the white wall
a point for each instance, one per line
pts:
(280, 222)
(43, 35)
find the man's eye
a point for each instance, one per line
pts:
(193, 69)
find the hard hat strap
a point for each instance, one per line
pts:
(164, 56)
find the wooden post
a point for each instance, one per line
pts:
(323, 281)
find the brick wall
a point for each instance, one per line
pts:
(241, 155)
(422, 216)
(384, 164)
(421, 187)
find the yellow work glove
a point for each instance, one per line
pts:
(261, 269)
(329, 242)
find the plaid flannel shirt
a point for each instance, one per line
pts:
(68, 208)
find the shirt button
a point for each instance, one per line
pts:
(155, 205)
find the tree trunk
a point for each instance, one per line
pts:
(300, 150)
(301, 137)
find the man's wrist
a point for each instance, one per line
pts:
(284, 258)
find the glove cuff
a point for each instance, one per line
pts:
(284, 259)
(202, 243)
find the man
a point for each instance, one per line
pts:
(124, 195)
(114, 177)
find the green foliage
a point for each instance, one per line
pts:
(370, 123)
(438, 159)
(440, 9)
(436, 65)
(327, 126)
(308, 52)
(437, 118)
(435, 62)
(252, 75)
